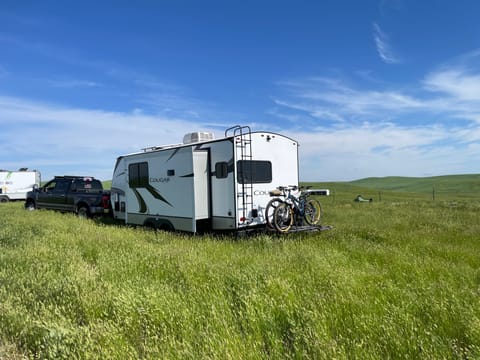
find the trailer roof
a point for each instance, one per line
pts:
(176, 146)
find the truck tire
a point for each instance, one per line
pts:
(30, 205)
(3, 199)
(83, 212)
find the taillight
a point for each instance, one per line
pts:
(106, 201)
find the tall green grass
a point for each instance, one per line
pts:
(391, 280)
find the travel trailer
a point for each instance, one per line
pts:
(14, 185)
(204, 183)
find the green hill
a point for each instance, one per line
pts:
(451, 185)
(396, 188)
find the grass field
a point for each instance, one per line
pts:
(396, 279)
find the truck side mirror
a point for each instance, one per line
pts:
(35, 187)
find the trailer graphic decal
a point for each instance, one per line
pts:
(141, 202)
(156, 194)
(173, 154)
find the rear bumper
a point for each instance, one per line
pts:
(99, 210)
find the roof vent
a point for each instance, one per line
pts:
(195, 137)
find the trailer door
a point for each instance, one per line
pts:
(201, 185)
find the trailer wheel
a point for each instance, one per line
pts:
(166, 226)
(159, 224)
(3, 199)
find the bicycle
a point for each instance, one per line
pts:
(296, 209)
(273, 204)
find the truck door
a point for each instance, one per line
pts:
(53, 195)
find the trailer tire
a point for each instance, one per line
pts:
(159, 224)
(4, 199)
(166, 226)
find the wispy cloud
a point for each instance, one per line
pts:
(335, 99)
(428, 127)
(383, 45)
(456, 82)
(73, 83)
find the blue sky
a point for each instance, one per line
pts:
(368, 88)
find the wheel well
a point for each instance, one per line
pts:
(29, 201)
(83, 204)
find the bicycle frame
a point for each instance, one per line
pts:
(297, 203)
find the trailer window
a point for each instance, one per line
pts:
(254, 171)
(138, 175)
(221, 170)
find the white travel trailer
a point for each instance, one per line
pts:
(205, 183)
(14, 185)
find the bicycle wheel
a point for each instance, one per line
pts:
(283, 217)
(313, 212)
(270, 209)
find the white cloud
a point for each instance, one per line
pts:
(456, 82)
(429, 127)
(59, 140)
(79, 141)
(73, 83)
(384, 48)
(381, 150)
(331, 99)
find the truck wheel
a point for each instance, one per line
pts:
(3, 199)
(30, 205)
(83, 212)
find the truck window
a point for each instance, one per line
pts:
(58, 187)
(254, 171)
(87, 185)
(138, 175)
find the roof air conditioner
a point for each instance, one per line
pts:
(198, 137)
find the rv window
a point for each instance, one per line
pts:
(221, 170)
(138, 175)
(254, 171)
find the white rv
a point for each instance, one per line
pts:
(205, 183)
(14, 185)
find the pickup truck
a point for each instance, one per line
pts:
(82, 195)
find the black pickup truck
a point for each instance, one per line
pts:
(79, 194)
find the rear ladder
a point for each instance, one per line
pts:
(243, 144)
